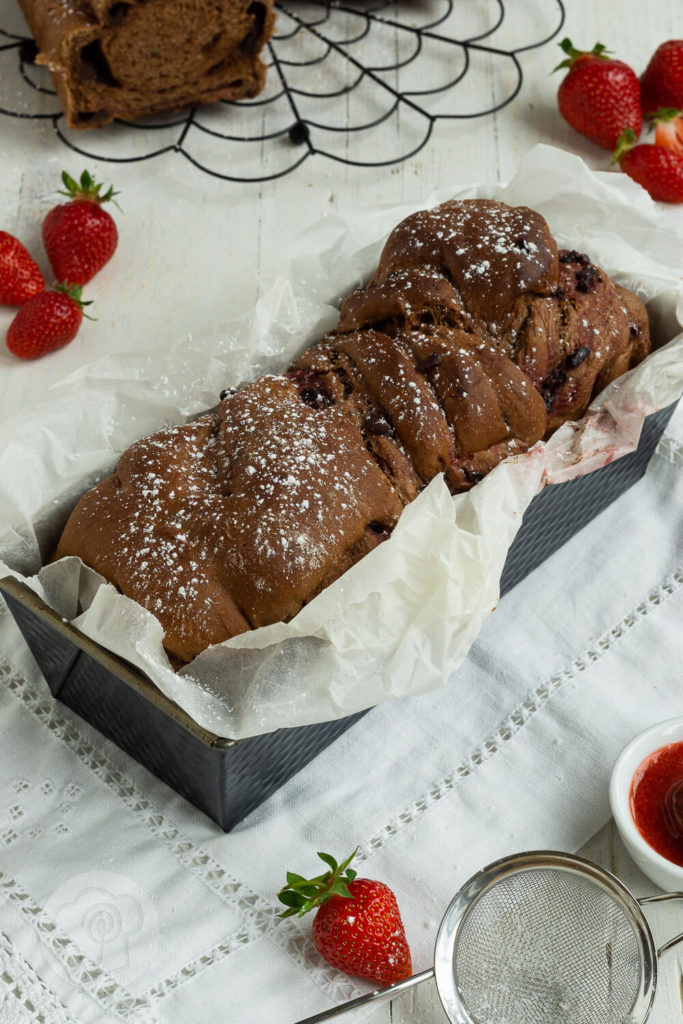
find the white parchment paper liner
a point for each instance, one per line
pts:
(400, 621)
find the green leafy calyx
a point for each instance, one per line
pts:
(303, 894)
(86, 188)
(663, 115)
(599, 51)
(74, 291)
(626, 141)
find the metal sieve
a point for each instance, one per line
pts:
(541, 938)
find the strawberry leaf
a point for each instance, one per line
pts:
(70, 185)
(330, 861)
(340, 889)
(343, 866)
(599, 50)
(290, 898)
(627, 140)
(663, 114)
(86, 188)
(309, 891)
(74, 291)
(304, 894)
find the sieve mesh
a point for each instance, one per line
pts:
(547, 946)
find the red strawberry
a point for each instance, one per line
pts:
(657, 169)
(79, 236)
(47, 321)
(20, 277)
(669, 129)
(599, 97)
(662, 81)
(357, 927)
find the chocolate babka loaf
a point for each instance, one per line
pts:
(473, 340)
(130, 58)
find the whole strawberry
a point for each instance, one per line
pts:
(47, 321)
(658, 169)
(662, 81)
(357, 927)
(20, 277)
(599, 97)
(79, 236)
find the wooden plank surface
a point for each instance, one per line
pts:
(194, 250)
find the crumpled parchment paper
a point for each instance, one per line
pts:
(403, 619)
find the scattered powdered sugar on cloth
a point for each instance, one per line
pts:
(402, 619)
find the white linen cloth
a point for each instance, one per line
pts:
(120, 902)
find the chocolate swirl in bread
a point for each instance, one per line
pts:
(130, 58)
(472, 341)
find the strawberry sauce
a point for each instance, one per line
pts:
(656, 801)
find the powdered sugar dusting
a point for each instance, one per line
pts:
(469, 343)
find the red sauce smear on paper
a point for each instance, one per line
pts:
(656, 801)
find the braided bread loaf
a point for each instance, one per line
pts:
(472, 341)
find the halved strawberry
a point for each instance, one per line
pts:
(668, 125)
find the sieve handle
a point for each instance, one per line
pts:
(663, 898)
(378, 996)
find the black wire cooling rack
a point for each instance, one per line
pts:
(361, 82)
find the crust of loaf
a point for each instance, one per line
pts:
(131, 58)
(473, 340)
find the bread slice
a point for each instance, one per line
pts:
(131, 58)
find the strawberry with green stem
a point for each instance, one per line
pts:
(357, 927)
(659, 170)
(599, 96)
(80, 237)
(46, 322)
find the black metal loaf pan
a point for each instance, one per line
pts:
(228, 778)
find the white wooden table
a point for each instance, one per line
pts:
(193, 251)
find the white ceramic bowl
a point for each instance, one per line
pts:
(658, 869)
